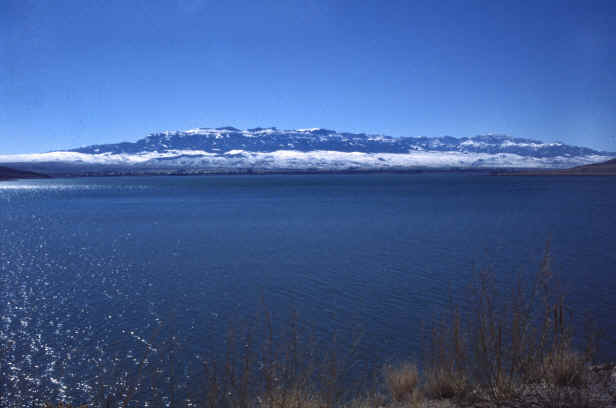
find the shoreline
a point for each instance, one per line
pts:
(11, 174)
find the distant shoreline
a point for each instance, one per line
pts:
(607, 168)
(263, 172)
(246, 171)
(7, 174)
(556, 173)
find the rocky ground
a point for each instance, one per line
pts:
(599, 391)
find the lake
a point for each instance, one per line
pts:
(92, 267)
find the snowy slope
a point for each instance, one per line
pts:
(315, 149)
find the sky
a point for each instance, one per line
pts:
(75, 73)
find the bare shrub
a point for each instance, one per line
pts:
(522, 337)
(447, 362)
(284, 368)
(441, 383)
(401, 381)
(565, 368)
(512, 337)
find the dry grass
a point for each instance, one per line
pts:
(292, 398)
(370, 401)
(564, 368)
(511, 339)
(512, 349)
(442, 383)
(401, 381)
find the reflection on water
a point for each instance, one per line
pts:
(92, 269)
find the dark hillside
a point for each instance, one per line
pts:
(7, 173)
(607, 168)
(604, 168)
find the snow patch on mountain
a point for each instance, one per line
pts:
(297, 160)
(317, 149)
(334, 160)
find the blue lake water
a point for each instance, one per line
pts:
(90, 267)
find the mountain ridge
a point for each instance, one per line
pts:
(272, 139)
(229, 149)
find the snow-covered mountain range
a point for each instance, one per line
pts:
(270, 149)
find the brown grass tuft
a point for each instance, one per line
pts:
(564, 368)
(401, 381)
(441, 383)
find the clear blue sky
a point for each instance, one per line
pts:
(75, 72)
